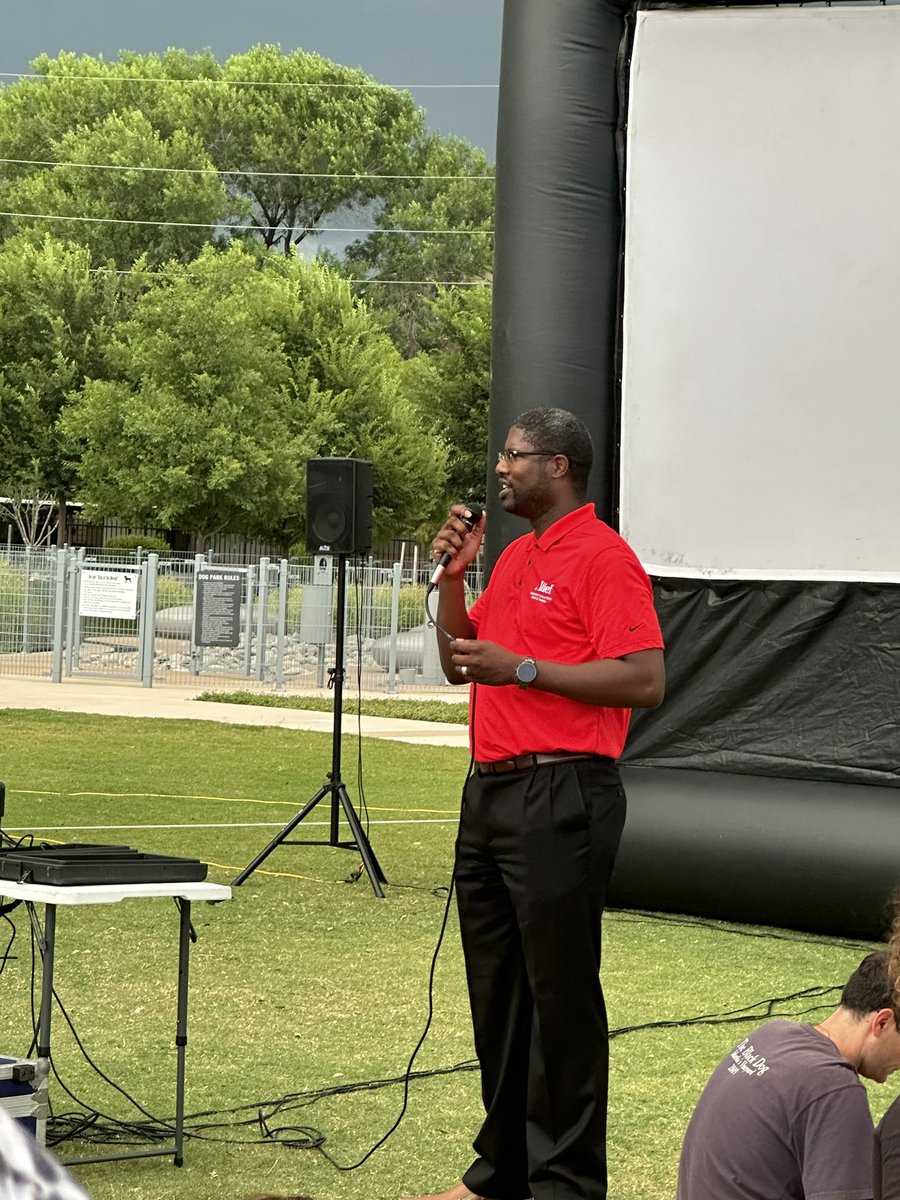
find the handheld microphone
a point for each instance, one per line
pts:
(470, 522)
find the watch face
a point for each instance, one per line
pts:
(526, 672)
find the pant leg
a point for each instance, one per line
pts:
(499, 996)
(533, 867)
(573, 831)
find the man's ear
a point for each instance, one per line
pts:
(561, 465)
(883, 1020)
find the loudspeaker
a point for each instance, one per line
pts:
(338, 505)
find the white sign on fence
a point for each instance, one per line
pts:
(322, 569)
(108, 594)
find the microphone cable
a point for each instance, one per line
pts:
(407, 1074)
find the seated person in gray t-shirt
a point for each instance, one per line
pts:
(785, 1115)
(886, 1169)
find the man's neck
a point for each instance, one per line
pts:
(847, 1032)
(541, 524)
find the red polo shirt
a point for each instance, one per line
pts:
(576, 594)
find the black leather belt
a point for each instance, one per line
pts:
(524, 762)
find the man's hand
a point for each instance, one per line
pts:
(457, 540)
(484, 662)
(634, 681)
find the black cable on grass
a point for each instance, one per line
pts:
(636, 917)
(155, 1131)
(737, 1016)
(7, 953)
(93, 1126)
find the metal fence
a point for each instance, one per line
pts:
(221, 622)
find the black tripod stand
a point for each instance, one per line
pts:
(334, 785)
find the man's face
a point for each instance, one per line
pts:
(526, 483)
(881, 1057)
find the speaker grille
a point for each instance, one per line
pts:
(329, 523)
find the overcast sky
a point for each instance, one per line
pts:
(396, 41)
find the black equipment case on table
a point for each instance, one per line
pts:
(82, 865)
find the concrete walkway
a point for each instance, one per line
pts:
(179, 704)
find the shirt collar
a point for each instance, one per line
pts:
(559, 529)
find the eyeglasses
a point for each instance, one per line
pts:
(509, 456)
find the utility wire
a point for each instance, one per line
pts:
(223, 225)
(46, 162)
(371, 84)
(351, 282)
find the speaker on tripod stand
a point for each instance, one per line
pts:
(338, 521)
(338, 505)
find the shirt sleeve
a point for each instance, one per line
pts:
(886, 1167)
(834, 1142)
(618, 602)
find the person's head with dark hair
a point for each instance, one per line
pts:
(865, 1026)
(544, 465)
(869, 988)
(558, 431)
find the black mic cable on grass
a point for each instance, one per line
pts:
(269, 1131)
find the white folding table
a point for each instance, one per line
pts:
(111, 893)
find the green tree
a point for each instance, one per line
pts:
(450, 386)
(296, 139)
(55, 325)
(159, 205)
(191, 430)
(229, 375)
(313, 139)
(351, 397)
(453, 204)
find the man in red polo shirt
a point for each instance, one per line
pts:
(563, 643)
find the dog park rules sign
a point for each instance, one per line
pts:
(219, 608)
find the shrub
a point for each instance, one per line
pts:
(411, 608)
(294, 605)
(170, 592)
(142, 541)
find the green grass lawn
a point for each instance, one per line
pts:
(398, 707)
(305, 983)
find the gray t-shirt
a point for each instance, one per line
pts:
(783, 1117)
(886, 1167)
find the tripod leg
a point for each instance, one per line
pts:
(279, 837)
(374, 871)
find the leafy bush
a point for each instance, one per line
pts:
(411, 608)
(294, 605)
(142, 541)
(171, 593)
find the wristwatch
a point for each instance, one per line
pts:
(526, 672)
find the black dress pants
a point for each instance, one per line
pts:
(534, 855)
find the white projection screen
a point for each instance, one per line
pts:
(761, 321)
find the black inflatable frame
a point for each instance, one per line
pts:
(765, 788)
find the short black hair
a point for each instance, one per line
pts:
(560, 431)
(869, 987)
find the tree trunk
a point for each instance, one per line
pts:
(61, 523)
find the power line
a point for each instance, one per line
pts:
(431, 282)
(253, 228)
(43, 162)
(369, 84)
(350, 282)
